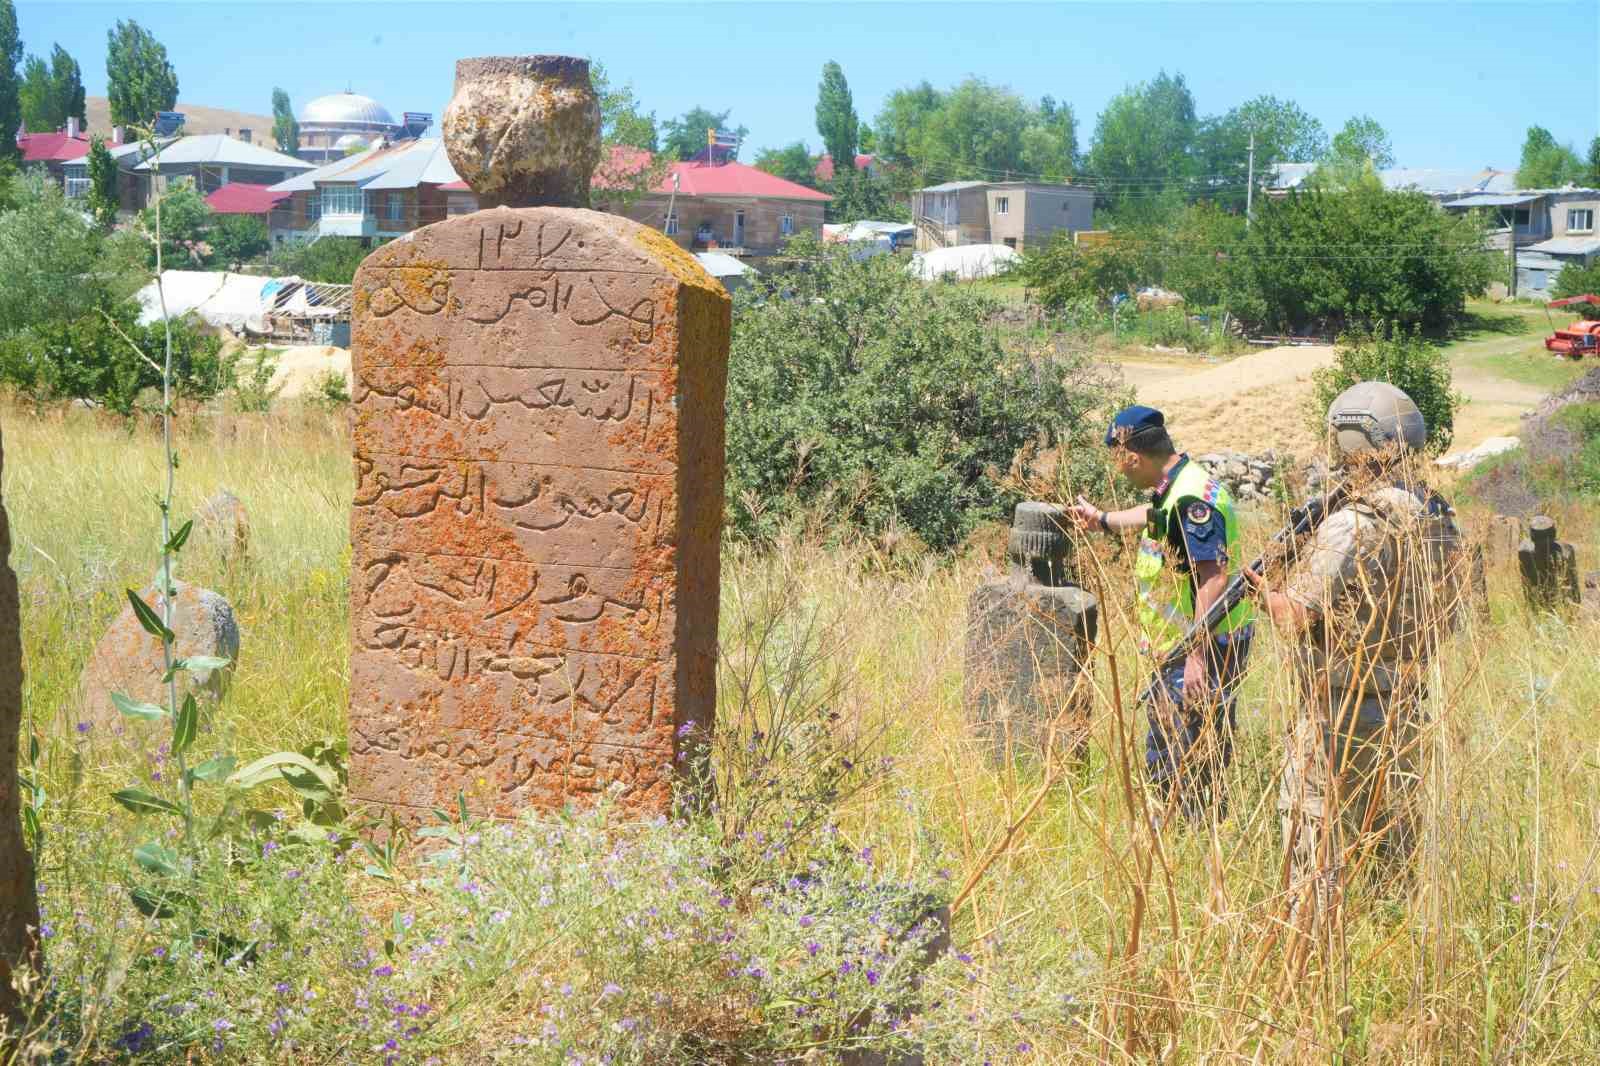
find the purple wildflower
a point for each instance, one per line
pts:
(384, 971)
(84, 727)
(806, 921)
(611, 989)
(46, 930)
(812, 947)
(872, 977)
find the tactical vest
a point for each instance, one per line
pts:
(1166, 595)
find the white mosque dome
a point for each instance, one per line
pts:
(340, 109)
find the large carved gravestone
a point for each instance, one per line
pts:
(538, 440)
(19, 905)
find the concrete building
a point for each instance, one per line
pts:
(1010, 213)
(209, 161)
(1549, 227)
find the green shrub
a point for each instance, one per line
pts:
(236, 239)
(330, 389)
(253, 390)
(88, 358)
(327, 259)
(1405, 360)
(1355, 258)
(855, 389)
(1061, 273)
(1578, 280)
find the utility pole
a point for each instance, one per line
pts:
(1250, 182)
(1511, 243)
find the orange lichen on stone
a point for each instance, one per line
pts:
(537, 512)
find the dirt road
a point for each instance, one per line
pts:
(1258, 400)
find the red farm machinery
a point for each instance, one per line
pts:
(1583, 336)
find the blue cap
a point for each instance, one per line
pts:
(1131, 420)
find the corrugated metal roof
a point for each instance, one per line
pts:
(1494, 200)
(953, 186)
(222, 150)
(243, 198)
(1566, 246)
(327, 172)
(723, 265)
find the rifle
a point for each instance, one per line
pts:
(1303, 519)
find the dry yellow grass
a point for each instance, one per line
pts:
(1171, 948)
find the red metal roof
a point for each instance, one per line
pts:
(243, 198)
(52, 147)
(694, 179)
(824, 170)
(734, 179)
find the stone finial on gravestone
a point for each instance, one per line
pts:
(19, 903)
(1549, 567)
(1028, 638)
(538, 436)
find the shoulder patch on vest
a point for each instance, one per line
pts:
(1199, 512)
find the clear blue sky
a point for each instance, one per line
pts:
(1455, 84)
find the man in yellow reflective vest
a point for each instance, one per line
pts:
(1188, 551)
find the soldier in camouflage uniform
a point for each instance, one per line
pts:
(1369, 599)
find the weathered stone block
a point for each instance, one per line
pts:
(538, 437)
(130, 661)
(1028, 638)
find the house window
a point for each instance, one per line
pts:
(1002, 205)
(343, 200)
(1011, 242)
(786, 227)
(313, 207)
(1579, 219)
(672, 225)
(77, 182)
(396, 207)
(1520, 216)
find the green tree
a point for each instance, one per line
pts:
(186, 221)
(685, 136)
(1546, 164)
(1333, 260)
(1144, 138)
(622, 122)
(285, 128)
(10, 89)
(329, 259)
(68, 77)
(52, 260)
(857, 196)
(36, 97)
(51, 93)
(103, 197)
(1050, 141)
(976, 133)
(236, 239)
(1576, 279)
(1591, 170)
(866, 140)
(837, 123)
(793, 163)
(1284, 133)
(885, 403)
(139, 80)
(1062, 272)
(1362, 143)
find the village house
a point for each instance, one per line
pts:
(723, 206)
(1012, 213)
(208, 161)
(391, 189)
(1548, 227)
(380, 193)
